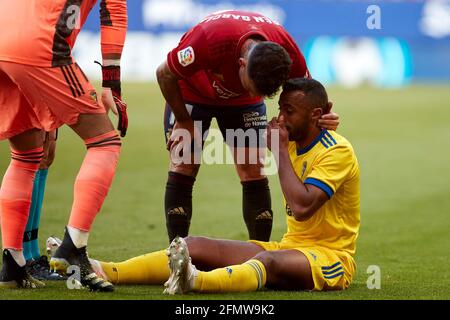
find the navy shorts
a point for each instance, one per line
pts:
(241, 126)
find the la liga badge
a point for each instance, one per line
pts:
(186, 56)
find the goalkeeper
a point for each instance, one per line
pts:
(44, 88)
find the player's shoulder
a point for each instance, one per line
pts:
(334, 139)
(334, 142)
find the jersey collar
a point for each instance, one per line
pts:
(315, 141)
(244, 37)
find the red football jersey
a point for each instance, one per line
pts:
(43, 32)
(207, 56)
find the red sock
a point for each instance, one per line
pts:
(15, 195)
(94, 179)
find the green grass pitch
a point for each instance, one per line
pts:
(402, 140)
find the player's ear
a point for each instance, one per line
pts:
(242, 62)
(317, 113)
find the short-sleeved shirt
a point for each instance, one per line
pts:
(207, 56)
(42, 32)
(330, 164)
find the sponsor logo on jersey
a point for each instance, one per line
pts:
(186, 56)
(254, 119)
(251, 114)
(222, 92)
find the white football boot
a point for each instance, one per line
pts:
(182, 271)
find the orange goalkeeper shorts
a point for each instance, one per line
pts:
(43, 98)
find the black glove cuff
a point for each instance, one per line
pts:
(111, 78)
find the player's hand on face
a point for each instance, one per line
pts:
(330, 120)
(276, 129)
(283, 133)
(272, 125)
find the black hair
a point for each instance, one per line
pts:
(269, 66)
(314, 91)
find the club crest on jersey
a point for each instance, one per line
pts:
(93, 96)
(305, 164)
(186, 56)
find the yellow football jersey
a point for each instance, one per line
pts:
(330, 164)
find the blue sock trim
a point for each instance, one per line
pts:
(27, 252)
(43, 173)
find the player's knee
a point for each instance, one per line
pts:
(49, 156)
(190, 170)
(194, 243)
(249, 172)
(196, 246)
(274, 276)
(267, 258)
(269, 261)
(90, 126)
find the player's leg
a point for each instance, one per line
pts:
(286, 270)
(15, 201)
(37, 264)
(241, 274)
(243, 132)
(18, 125)
(181, 176)
(279, 269)
(91, 187)
(65, 96)
(152, 268)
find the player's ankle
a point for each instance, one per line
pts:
(79, 237)
(18, 256)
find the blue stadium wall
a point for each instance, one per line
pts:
(385, 43)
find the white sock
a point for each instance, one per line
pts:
(18, 256)
(79, 237)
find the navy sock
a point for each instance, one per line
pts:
(178, 204)
(257, 209)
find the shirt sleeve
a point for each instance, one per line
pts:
(114, 22)
(191, 54)
(332, 169)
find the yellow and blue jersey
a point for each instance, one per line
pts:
(330, 164)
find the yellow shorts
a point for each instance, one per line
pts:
(331, 269)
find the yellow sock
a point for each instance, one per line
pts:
(151, 268)
(249, 276)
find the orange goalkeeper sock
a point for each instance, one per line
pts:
(94, 179)
(15, 195)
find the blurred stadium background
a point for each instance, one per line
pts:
(386, 65)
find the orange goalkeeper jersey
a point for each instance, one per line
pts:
(43, 32)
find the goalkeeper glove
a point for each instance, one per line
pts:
(113, 98)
